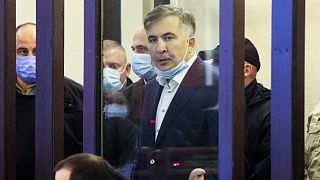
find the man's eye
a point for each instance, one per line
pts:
(113, 66)
(152, 40)
(22, 52)
(168, 38)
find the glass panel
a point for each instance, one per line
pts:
(161, 131)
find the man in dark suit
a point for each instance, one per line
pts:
(180, 105)
(142, 67)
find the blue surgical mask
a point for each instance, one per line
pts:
(171, 73)
(141, 65)
(26, 68)
(111, 80)
(116, 110)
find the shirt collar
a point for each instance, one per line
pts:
(30, 91)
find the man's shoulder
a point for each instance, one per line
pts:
(73, 90)
(136, 86)
(202, 73)
(69, 83)
(264, 92)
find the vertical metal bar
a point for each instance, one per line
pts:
(92, 78)
(159, 2)
(50, 87)
(298, 53)
(231, 90)
(112, 20)
(7, 89)
(287, 100)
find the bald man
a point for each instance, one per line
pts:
(142, 67)
(25, 105)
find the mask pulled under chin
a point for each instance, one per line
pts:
(171, 73)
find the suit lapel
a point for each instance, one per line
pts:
(189, 85)
(152, 95)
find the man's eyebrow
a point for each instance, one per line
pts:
(141, 46)
(169, 34)
(21, 48)
(152, 36)
(163, 35)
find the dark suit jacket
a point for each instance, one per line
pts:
(133, 94)
(187, 122)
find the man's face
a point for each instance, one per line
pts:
(63, 174)
(168, 43)
(26, 41)
(140, 42)
(114, 58)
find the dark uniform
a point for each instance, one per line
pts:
(258, 131)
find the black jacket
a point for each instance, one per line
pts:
(258, 131)
(119, 134)
(25, 122)
(133, 94)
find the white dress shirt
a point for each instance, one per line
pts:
(169, 90)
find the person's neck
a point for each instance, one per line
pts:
(247, 81)
(23, 85)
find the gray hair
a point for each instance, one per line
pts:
(187, 19)
(110, 44)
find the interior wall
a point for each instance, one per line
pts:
(312, 54)
(131, 18)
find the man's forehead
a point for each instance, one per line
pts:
(140, 41)
(165, 27)
(114, 55)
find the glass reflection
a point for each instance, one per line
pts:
(171, 125)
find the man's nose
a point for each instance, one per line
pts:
(161, 47)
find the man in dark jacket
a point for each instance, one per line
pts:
(257, 164)
(142, 67)
(257, 118)
(25, 105)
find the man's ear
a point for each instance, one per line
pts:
(247, 69)
(128, 69)
(192, 42)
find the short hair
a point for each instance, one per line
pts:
(109, 44)
(187, 20)
(24, 24)
(87, 166)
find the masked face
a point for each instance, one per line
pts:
(141, 65)
(116, 110)
(26, 68)
(111, 80)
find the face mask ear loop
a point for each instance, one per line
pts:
(124, 69)
(185, 53)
